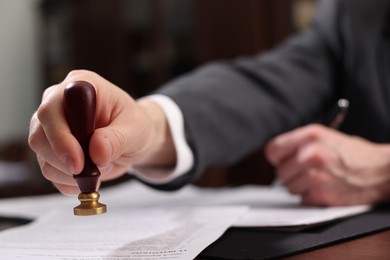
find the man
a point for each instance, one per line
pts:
(221, 112)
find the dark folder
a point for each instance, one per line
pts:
(251, 243)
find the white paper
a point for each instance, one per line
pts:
(274, 206)
(127, 233)
(296, 215)
(270, 206)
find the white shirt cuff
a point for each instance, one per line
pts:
(184, 155)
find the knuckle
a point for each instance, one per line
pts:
(80, 74)
(120, 137)
(45, 169)
(318, 157)
(34, 141)
(315, 131)
(47, 91)
(313, 155)
(43, 112)
(76, 73)
(119, 140)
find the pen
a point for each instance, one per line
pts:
(337, 114)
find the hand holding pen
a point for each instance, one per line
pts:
(332, 119)
(330, 168)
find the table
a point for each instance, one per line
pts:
(374, 246)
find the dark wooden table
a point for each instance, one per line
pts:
(374, 246)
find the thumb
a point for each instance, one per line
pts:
(108, 144)
(119, 143)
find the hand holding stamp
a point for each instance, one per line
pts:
(80, 106)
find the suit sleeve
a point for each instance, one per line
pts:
(231, 109)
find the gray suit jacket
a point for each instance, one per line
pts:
(233, 108)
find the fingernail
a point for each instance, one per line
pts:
(69, 164)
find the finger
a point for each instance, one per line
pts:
(58, 135)
(44, 151)
(324, 190)
(66, 189)
(314, 162)
(288, 169)
(286, 144)
(304, 181)
(298, 185)
(82, 75)
(48, 91)
(55, 175)
(339, 193)
(306, 157)
(321, 198)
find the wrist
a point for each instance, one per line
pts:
(380, 191)
(161, 150)
(385, 174)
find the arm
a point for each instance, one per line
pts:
(259, 97)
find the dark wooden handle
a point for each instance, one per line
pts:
(80, 109)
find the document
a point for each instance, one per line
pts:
(142, 223)
(274, 206)
(126, 233)
(270, 206)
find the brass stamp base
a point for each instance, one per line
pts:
(89, 205)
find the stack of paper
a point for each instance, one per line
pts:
(150, 224)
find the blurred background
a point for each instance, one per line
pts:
(136, 44)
